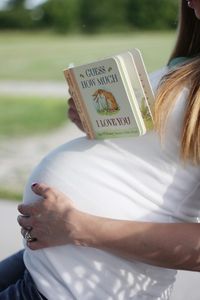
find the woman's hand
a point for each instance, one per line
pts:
(51, 221)
(73, 114)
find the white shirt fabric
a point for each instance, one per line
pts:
(125, 178)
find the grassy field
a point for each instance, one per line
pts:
(8, 193)
(21, 116)
(43, 56)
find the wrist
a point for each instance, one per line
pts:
(86, 229)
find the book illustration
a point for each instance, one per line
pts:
(106, 103)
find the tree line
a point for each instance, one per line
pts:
(91, 16)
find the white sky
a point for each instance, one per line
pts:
(2, 3)
(29, 3)
(32, 3)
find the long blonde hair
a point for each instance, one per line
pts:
(187, 74)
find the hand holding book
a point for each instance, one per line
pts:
(112, 96)
(73, 114)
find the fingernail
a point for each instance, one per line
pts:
(34, 184)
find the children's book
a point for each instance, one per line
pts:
(113, 96)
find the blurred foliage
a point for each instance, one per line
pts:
(103, 15)
(15, 16)
(91, 16)
(60, 14)
(157, 14)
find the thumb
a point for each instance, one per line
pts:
(40, 189)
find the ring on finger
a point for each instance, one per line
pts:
(28, 237)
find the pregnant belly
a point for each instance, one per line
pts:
(97, 177)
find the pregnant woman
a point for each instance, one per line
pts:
(114, 219)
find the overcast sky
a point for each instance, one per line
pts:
(29, 3)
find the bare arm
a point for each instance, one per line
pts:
(175, 245)
(55, 221)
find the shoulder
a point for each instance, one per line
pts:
(156, 76)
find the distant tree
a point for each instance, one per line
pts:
(92, 16)
(157, 14)
(16, 3)
(15, 16)
(61, 15)
(103, 15)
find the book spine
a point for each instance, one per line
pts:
(76, 95)
(149, 95)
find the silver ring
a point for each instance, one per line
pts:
(28, 236)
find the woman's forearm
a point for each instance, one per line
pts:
(169, 245)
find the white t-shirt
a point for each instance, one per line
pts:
(128, 178)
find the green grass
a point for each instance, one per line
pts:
(43, 56)
(10, 194)
(21, 116)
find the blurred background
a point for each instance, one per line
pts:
(38, 39)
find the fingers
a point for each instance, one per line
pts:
(36, 245)
(72, 111)
(28, 235)
(46, 217)
(33, 243)
(71, 103)
(25, 222)
(29, 209)
(73, 114)
(41, 189)
(24, 231)
(25, 210)
(32, 240)
(74, 117)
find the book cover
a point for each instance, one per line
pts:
(110, 98)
